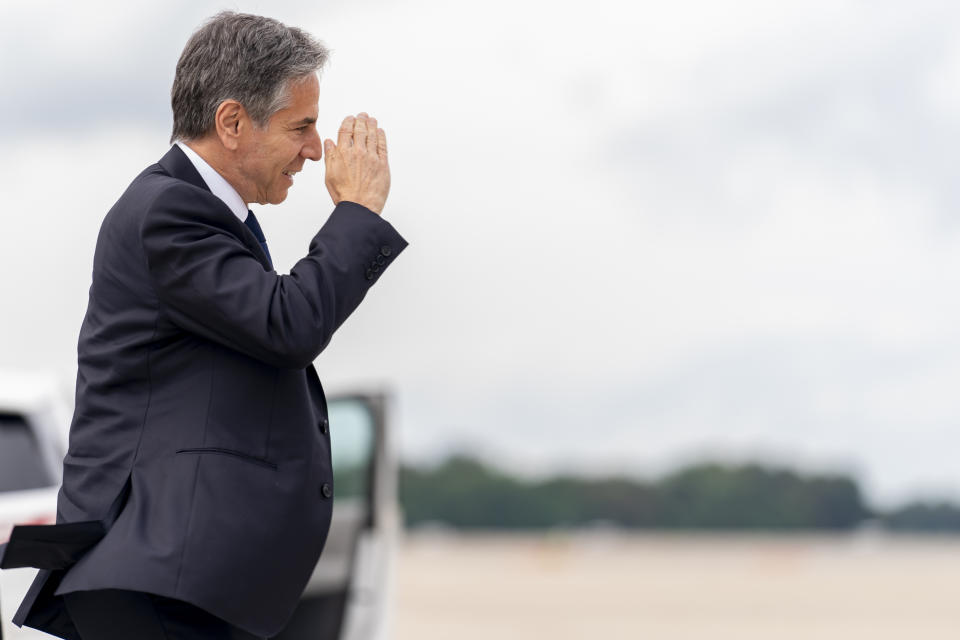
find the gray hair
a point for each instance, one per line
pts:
(247, 58)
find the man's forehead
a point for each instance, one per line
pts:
(303, 107)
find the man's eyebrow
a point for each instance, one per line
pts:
(307, 120)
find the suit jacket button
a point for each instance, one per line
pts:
(324, 425)
(369, 274)
(326, 491)
(375, 267)
(385, 251)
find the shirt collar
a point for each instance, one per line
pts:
(216, 183)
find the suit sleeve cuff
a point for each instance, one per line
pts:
(379, 243)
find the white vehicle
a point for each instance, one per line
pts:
(34, 419)
(347, 596)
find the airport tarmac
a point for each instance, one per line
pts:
(608, 585)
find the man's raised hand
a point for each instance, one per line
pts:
(357, 168)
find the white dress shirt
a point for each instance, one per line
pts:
(216, 183)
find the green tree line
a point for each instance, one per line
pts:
(465, 493)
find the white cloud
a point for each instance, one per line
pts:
(635, 232)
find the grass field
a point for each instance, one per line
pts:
(677, 587)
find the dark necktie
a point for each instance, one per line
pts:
(254, 226)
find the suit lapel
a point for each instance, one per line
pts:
(176, 163)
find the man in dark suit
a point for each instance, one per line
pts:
(197, 487)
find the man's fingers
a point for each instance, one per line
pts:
(360, 131)
(372, 135)
(328, 151)
(345, 134)
(382, 144)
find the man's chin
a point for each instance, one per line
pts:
(276, 198)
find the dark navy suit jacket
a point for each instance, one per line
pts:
(200, 441)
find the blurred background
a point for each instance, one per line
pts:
(685, 266)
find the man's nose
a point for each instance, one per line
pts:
(313, 149)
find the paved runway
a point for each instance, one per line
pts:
(606, 586)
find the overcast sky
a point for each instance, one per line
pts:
(640, 233)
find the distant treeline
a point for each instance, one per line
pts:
(465, 493)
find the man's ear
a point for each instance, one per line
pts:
(230, 121)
